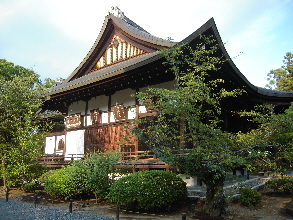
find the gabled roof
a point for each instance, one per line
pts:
(118, 29)
(85, 76)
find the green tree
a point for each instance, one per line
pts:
(188, 121)
(8, 70)
(21, 130)
(273, 138)
(281, 79)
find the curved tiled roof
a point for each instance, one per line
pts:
(129, 27)
(120, 14)
(139, 34)
(136, 62)
(211, 24)
(107, 72)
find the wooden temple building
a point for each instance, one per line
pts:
(96, 98)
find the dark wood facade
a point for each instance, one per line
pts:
(95, 98)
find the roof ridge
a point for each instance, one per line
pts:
(120, 14)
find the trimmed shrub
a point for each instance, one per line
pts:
(30, 187)
(148, 190)
(250, 197)
(68, 182)
(45, 176)
(91, 176)
(284, 185)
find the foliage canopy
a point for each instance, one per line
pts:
(281, 79)
(189, 118)
(21, 130)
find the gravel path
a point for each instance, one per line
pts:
(13, 211)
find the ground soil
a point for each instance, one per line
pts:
(272, 207)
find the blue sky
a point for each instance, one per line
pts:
(53, 36)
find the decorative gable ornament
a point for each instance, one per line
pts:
(72, 121)
(118, 50)
(120, 40)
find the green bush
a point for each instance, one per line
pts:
(148, 190)
(284, 185)
(99, 167)
(34, 171)
(68, 182)
(45, 176)
(30, 187)
(250, 197)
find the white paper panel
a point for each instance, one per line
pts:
(104, 117)
(50, 145)
(112, 119)
(74, 143)
(131, 113)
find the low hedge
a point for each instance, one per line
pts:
(283, 185)
(148, 190)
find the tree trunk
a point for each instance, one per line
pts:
(215, 204)
(3, 171)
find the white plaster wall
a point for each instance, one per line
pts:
(104, 117)
(77, 107)
(112, 119)
(123, 97)
(131, 114)
(100, 102)
(74, 143)
(142, 109)
(50, 145)
(89, 120)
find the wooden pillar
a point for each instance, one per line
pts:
(109, 108)
(137, 114)
(86, 110)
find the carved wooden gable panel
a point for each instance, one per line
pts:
(117, 51)
(72, 121)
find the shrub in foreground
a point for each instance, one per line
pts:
(99, 167)
(91, 176)
(284, 185)
(148, 190)
(66, 183)
(44, 176)
(250, 197)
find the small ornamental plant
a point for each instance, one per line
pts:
(153, 190)
(250, 197)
